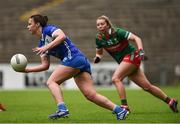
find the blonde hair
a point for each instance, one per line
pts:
(107, 20)
(109, 23)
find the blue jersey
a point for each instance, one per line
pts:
(69, 54)
(65, 50)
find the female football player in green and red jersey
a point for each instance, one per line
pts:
(116, 42)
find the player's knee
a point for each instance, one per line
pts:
(90, 96)
(115, 79)
(48, 83)
(147, 88)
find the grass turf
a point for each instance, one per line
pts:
(34, 106)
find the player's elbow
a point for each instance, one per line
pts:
(63, 37)
(45, 67)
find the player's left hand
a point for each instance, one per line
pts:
(141, 54)
(97, 59)
(40, 50)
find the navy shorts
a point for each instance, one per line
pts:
(79, 62)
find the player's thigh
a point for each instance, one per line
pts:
(124, 69)
(62, 73)
(140, 79)
(84, 82)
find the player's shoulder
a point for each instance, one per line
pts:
(120, 29)
(50, 28)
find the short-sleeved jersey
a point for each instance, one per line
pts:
(65, 50)
(116, 44)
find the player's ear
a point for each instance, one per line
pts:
(38, 24)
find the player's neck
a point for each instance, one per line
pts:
(39, 32)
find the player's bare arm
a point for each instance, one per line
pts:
(137, 40)
(99, 54)
(45, 62)
(58, 36)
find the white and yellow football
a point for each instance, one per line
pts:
(18, 62)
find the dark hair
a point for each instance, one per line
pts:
(42, 20)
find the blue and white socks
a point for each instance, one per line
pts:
(61, 106)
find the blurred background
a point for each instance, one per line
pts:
(157, 22)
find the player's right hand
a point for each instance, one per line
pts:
(97, 59)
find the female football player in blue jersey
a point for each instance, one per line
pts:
(73, 63)
(116, 42)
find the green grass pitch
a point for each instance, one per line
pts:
(34, 106)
